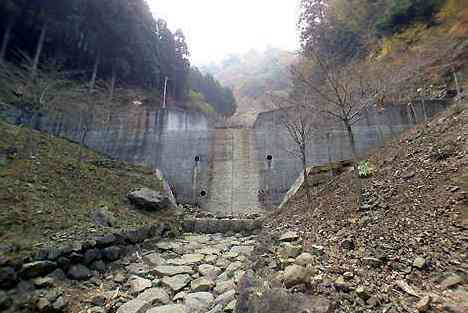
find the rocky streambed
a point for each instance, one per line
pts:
(195, 273)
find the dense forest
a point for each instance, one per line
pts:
(116, 41)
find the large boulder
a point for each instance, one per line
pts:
(147, 199)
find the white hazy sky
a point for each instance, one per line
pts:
(217, 28)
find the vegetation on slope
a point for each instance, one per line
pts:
(50, 195)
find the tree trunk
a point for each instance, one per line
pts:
(92, 83)
(6, 40)
(40, 45)
(304, 169)
(114, 77)
(352, 143)
(457, 84)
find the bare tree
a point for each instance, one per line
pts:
(344, 93)
(41, 92)
(301, 124)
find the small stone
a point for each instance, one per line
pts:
(170, 308)
(199, 301)
(138, 284)
(59, 304)
(317, 250)
(111, 253)
(374, 262)
(225, 298)
(134, 306)
(177, 282)
(347, 244)
(43, 282)
(294, 275)
(289, 236)
(424, 304)
(287, 250)
(211, 271)
(373, 301)
(419, 263)
(230, 307)
(341, 285)
(42, 305)
(180, 296)
(154, 296)
(233, 267)
(79, 272)
(154, 259)
(362, 293)
(451, 281)
(223, 286)
(348, 275)
(39, 268)
(119, 278)
(166, 270)
(201, 284)
(305, 259)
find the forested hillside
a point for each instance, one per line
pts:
(110, 43)
(254, 77)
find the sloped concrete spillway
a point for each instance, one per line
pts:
(228, 171)
(234, 175)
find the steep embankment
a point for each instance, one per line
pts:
(51, 195)
(411, 229)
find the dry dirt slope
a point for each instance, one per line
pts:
(416, 205)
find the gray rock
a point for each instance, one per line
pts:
(134, 306)
(138, 268)
(209, 271)
(294, 275)
(91, 255)
(347, 244)
(138, 284)
(201, 284)
(424, 303)
(155, 296)
(289, 236)
(43, 282)
(419, 263)
(39, 268)
(225, 298)
(105, 241)
(305, 259)
(223, 286)
(111, 253)
(147, 199)
(167, 270)
(79, 272)
(451, 281)
(5, 300)
(170, 308)
(177, 282)
(99, 266)
(287, 250)
(103, 217)
(8, 278)
(233, 267)
(154, 259)
(199, 301)
(59, 305)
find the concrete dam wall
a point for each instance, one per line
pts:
(228, 171)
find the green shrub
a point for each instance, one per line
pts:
(366, 169)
